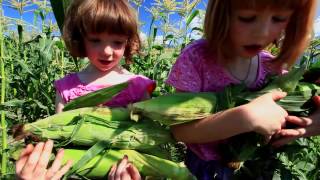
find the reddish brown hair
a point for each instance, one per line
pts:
(297, 33)
(98, 16)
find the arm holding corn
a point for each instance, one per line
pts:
(261, 115)
(59, 103)
(307, 126)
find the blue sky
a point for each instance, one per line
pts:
(144, 16)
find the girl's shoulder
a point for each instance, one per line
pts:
(199, 47)
(68, 80)
(197, 52)
(141, 83)
(196, 44)
(67, 87)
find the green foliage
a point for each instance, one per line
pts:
(33, 58)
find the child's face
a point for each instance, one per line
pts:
(105, 50)
(252, 30)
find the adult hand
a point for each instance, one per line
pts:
(307, 126)
(34, 160)
(124, 170)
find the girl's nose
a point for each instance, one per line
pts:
(263, 29)
(107, 50)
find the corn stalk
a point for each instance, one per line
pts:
(3, 94)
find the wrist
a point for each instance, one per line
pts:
(247, 123)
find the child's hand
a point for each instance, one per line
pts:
(308, 126)
(124, 171)
(265, 116)
(33, 163)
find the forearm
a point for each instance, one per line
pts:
(218, 126)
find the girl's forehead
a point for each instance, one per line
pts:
(263, 4)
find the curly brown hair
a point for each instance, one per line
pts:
(99, 16)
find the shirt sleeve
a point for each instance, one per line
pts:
(184, 74)
(64, 85)
(141, 87)
(59, 87)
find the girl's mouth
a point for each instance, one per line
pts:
(252, 49)
(104, 62)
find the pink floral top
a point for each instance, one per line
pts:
(70, 87)
(197, 70)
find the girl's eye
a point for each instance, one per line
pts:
(93, 40)
(119, 44)
(248, 19)
(279, 19)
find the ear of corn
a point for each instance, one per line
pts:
(175, 108)
(121, 134)
(147, 165)
(65, 118)
(95, 98)
(287, 82)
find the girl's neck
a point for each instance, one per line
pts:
(244, 69)
(91, 69)
(91, 75)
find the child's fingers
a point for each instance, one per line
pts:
(287, 135)
(62, 171)
(300, 121)
(133, 171)
(277, 95)
(299, 132)
(23, 158)
(28, 150)
(112, 172)
(33, 158)
(121, 166)
(44, 157)
(56, 163)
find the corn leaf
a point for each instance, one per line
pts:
(89, 155)
(96, 98)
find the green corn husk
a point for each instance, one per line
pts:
(65, 118)
(249, 146)
(120, 134)
(95, 98)
(175, 108)
(299, 94)
(147, 165)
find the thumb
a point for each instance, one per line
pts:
(277, 95)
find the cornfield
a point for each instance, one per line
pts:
(33, 55)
